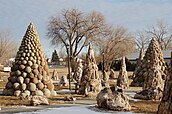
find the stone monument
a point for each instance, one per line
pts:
(29, 74)
(154, 72)
(165, 106)
(90, 80)
(122, 80)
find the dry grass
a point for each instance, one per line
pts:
(137, 106)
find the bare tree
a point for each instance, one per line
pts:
(141, 41)
(8, 47)
(162, 32)
(75, 29)
(117, 43)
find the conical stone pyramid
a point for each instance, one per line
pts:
(153, 71)
(153, 53)
(122, 80)
(165, 106)
(30, 75)
(90, 81)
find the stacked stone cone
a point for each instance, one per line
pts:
(152, 58)
(137, 68)
(29, 75)
(122, 80)
(90, 80)
(165, 106)
(153, 71)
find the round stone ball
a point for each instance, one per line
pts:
(27, 92)
(31, 75)
(39, 93)
(27, 80)
(40, 85)
(47, 92)
(53, 93)
(50, 86)
(17, 93)
(23, 86)
(35, 66)
(32, 87)
(13, 79)
(30, 63)
(28, 69)
(18, 73)
(24, 74)
(21, 67)
(24, 62)
(35, 80)
(35, 71)
(16, 86)
(39, 76)
(9, 85)
(20, 79)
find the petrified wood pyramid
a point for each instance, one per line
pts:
(30, 75)
(122, 80)
(153, 71)
(90, 80)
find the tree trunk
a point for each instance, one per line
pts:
(73, 63)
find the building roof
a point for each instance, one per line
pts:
(133, 56)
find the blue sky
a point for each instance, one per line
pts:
(15, 15)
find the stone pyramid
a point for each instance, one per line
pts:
(122, 80)
(165, 106)
(30, 75)
(90, 80)
(152, 54)
(153, 72)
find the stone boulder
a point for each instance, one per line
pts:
(39, 100)
(112, 99)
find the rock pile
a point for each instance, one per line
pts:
(78, 71)
(112, 99)
(153, 57)
(136, 71)
(154, 72)
(122, 80)
(29, 75)
(90, 80)
(165, 106)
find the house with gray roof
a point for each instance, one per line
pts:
(166, 53)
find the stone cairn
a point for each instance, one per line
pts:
(29, 74)
(122, 80)
(90, 81)
(165, 106)
(78, 73)
(112, 99)
(154, 72)
(55, 75)
(137, 70)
